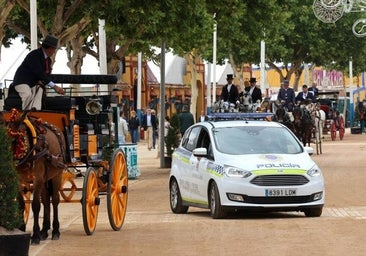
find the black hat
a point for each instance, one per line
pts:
(50, 41)
(253, 80)
(285, 82)
(229, 76)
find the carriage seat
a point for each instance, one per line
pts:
(13, 100)
(58, 103)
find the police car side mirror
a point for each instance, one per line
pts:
(310, 150)
(200, 152)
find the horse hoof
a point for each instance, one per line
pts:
(44, 235)
(35, 241)
(56, 236)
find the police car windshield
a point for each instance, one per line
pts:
(255, 140)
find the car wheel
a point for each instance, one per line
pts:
(217, 211)
(176, 203)
(313, 212)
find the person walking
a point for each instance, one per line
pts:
(133, 125)
(361, 116)
(230, 92)
(122, 129)
(149, 124)
(186, 119)
(32, 75)
(166, 126)
(155, 131)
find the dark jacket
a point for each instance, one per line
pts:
(186, 119)
(133, 123)
(231, 96)
(256, 95)
(33, 69)
(315, 91)
(300, 96)
(153, 122)
(287, 95)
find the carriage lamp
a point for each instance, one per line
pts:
(93, 107)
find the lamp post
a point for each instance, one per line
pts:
(351, 103)
(33, 24)
(214, 60)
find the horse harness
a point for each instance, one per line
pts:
(26, 152)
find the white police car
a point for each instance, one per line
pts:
(248, 164)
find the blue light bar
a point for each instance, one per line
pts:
(240, 116)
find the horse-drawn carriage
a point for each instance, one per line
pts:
(334, 120)
(74, 133)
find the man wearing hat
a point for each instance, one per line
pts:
(230, 92)
(33, 74)
(286, 96)
(254, 91)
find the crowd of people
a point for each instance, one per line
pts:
(149, 125)
(286, 95)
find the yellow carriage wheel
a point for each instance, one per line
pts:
(68, 186)
(90, 201)
(341, 128)
(117, 190)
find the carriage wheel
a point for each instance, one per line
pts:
(333, 130)
(341, 128)
(27, 205)
(90, 201)
(117, 190)
(71, 188)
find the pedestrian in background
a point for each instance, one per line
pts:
(122, 129)
(155, 130)
(186, 119)
(166, 126)
(149, 125)
(133, 125)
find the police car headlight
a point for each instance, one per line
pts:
(232, 171)
(314, 171)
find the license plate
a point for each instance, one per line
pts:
(280, 192)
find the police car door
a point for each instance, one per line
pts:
(199, 164)
(187, 163)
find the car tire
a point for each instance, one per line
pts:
(176, 202)
(216, 209)
(313, 212)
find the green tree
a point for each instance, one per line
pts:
(172, 138)
(10, 213)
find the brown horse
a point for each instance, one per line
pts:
(303, 124)
(283, 117)
(39, 149)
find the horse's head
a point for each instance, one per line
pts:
(281, 115)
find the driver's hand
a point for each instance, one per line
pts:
(59, 90)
